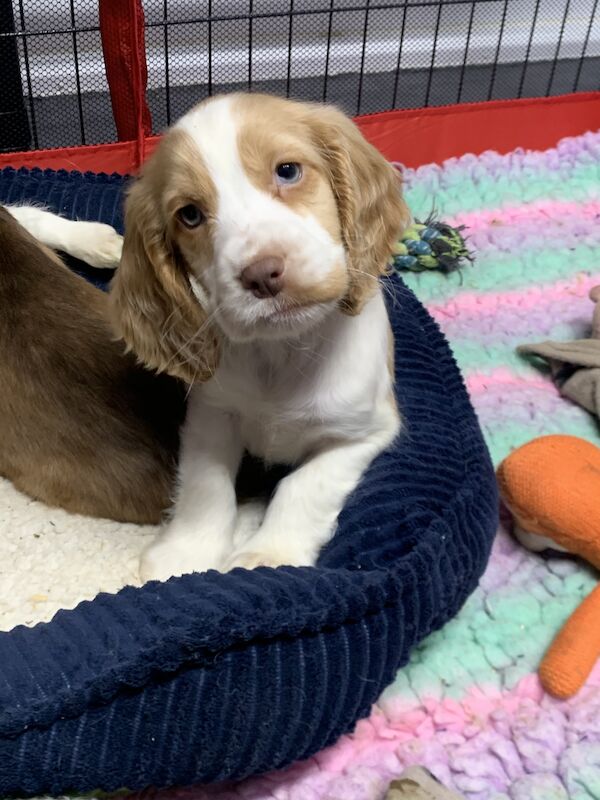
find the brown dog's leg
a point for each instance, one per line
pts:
(82, 426)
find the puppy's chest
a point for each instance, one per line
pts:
(283, 414)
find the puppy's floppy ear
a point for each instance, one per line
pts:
(369, 196)
(153, 307)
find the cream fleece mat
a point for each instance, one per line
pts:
(50, 559)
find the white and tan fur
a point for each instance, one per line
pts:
(303, 378)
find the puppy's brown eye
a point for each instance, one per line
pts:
(191, 216)
(288, 173)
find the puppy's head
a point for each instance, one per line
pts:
(254, 219)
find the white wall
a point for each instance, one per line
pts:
(51, 57)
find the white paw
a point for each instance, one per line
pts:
(253, 555)
(97, 244)
(166, 559)
(250, 517)
(535, 542)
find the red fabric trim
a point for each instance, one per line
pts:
(122, 32)
(413, 137)
(114, 157)
(421, 136)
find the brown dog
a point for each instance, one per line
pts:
(82, 425)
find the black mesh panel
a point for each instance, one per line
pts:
(365, 56)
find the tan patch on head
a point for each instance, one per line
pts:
(347, 185)
(153, 306)
(273, 131)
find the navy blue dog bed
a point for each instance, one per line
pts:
(210, 677)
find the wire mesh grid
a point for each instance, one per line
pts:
(367, 56)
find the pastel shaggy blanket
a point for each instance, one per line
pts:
(469, 706)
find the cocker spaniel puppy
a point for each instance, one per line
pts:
(255, 240)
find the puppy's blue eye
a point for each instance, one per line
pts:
(288, 173)
(191, 216)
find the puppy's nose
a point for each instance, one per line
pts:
(264, 277)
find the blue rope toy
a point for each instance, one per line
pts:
(431, 245)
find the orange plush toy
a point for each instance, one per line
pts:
(552, 487)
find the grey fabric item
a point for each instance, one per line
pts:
(575, 368)
(417, 783)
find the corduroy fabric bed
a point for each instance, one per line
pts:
(208, 677)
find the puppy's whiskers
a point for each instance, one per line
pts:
(387, 287)
(165, 332)
(191, 340)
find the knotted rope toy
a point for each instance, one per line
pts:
(431, 245)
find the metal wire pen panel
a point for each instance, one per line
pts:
(363, 55)
(63, 82)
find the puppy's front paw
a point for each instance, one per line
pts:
(253, 556)
(161, 561)
(166, 559)
(98, 245)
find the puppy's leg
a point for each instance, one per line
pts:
(97, 244)
(302, 515)
(200, 534)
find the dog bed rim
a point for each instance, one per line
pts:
(379, 589)
(134, 676)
